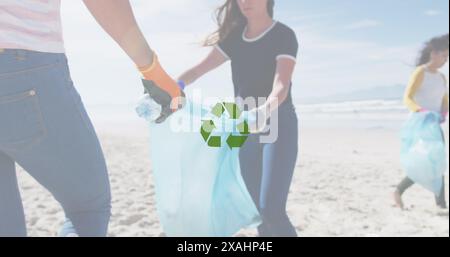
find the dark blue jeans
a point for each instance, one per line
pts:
(268, 170)
(45, 129)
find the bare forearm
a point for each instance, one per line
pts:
(281, 86)
(117, 19)
(211, 62)
(278, 95)
(190, 76)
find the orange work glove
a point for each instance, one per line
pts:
(162, 89)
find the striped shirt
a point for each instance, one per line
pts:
(31, 25)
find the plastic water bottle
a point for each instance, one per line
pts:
(148, 109)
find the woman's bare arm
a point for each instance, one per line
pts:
(211, 62)
(117, 19)
(281, 84)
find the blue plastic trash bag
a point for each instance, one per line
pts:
(423, 154)
(199, 189)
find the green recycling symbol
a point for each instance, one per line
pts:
(233, 141)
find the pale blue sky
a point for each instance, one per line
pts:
(384, 21)
(345, 45)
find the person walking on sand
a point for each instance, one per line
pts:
(427, 91)
(43, 124)
(263, 56)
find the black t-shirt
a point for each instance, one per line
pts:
(254, 61)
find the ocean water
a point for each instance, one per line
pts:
(372, 115)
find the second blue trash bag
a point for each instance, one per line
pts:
(199, 189)
(423, 154)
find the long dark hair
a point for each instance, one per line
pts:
(437, 44)
(229, 17)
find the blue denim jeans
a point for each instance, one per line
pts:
(45, 129)
(268, 170)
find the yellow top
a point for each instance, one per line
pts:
(423, 91)
(445, 105)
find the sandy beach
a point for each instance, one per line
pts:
(355, 71)
(342, 187)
